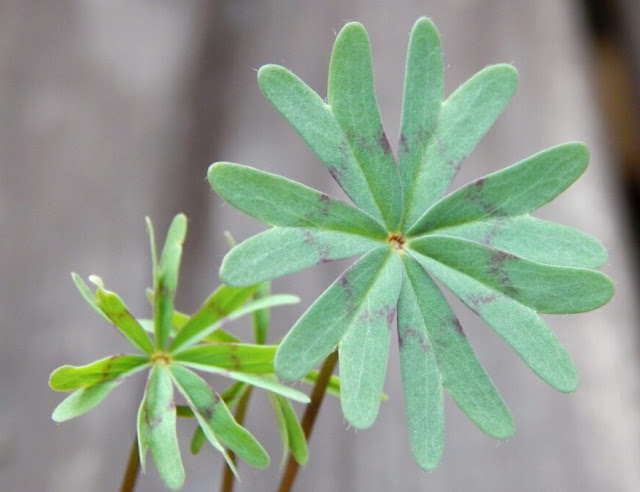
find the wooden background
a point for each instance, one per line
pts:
(110, 111)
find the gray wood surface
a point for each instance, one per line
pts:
(113, 110)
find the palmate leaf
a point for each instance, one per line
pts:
(219, 353)
(480, 241)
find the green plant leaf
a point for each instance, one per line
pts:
(167, 279)
(314, 121)
(364, 348)
(292, 434)
(556, 290)
(142, 432)
(260, 317)
(117, 312)
(464, 119)
(88, 295)
(421, 378)
(231, 396)
(516, 190)
(157, 427)
(282, 427)
(82, 400)
(254, 379)
(516, 323)
(479, 241)
(197, 330)
(422, 100)
(153, 250)
(178, 320)
(216, 420)
(222, 302)
(256, 359)
(306, 345)
(430, 335)
(67, 378)
(283, 250)
(333, 387)
(533, 239)
(352, 99)
(220, 336)
(278, 201)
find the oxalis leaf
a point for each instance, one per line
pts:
(479, 241)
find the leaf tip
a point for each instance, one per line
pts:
(97, 281)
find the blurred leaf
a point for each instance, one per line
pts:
(231, 396)
(88, 295)
(67, 378)
(220, 304)
(252, 379)
(117, 312)
(82, 400)
(215, 419)
(257, 359)
(166, 281)
(296, 441)
(196, 330)
(261, 316)
(157, 427)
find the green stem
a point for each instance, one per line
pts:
(133, 467)
(309, 418)
(241, 410)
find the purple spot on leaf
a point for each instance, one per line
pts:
(477, 301)
(403, 145)
(497, 270)
(384, 143)
(458, 326)
(309, 237)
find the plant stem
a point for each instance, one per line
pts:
(133, 466)
(309, 418)
(241, 410)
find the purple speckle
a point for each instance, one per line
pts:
(325, 201)
(384, 143)
(409, 333)
(457, 326)
(404, 146)
(497, 270)
(309, 237)
(387, 312)
(477, 301)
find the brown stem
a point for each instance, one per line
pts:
(133, 467)
(309, 418)
(228, 476)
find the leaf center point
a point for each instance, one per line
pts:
(161, 358)
(396, 241)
